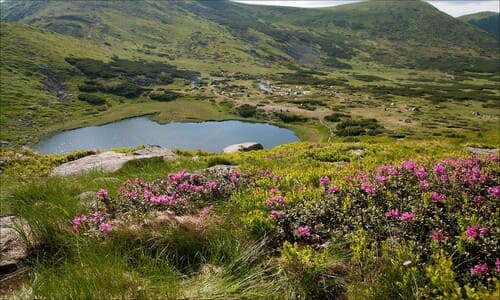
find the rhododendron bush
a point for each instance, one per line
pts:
(181, 193)
(448, 207)
(432, 226)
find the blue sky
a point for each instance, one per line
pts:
(455, 8)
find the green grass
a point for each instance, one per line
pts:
(232, 259)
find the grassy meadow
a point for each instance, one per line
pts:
(290, 222)
(382, 198)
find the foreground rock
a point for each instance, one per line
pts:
(243, 147)
(482, 151)
(109, 161)
(12, 248)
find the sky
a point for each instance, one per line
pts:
(454, 8)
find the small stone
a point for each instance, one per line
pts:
(407, 263)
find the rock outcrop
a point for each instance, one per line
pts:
(482, 151)
(12, 248)
(109, 161)
(243, 147)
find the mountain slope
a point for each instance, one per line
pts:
(34, 87)
(402, 34)
(487, 21)
(123, 57)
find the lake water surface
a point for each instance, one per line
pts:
(209, 136)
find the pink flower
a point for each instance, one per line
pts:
(408, 165)
(138, 181)
(103, 193)
(106, 227)
(176, 177)
(95, 218)
(484, 178)
(493, 157)
(171, 200)
(304, 230)
(474, 231)
(361, 176)
(423, 184)
(479, 269)
(273, 191)
(392, 214)
(332, 189)
(408, 217)
(440, 169)
(324, 180)
(276, 214)
(494, 191)
(195, 188)
(420, 173)
(234, 178)
(148, 194)
(437, 197)
(275, 200)
(439, 236)
(497, 265)
(367, 188)
(159, 200)
(212, 185)
(381, 179)
(184, 186)
(77, 223)
(133, 194)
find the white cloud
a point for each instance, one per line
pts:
(460, 8)
(454, 8)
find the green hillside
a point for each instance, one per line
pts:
(409, 34)
(351, 59)
(392, 192)
(487, 21)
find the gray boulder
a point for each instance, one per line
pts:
(243, 147)
(150, 151)
(109, 161)
(12, 247)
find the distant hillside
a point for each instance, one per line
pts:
(488, 21)
(401, 34)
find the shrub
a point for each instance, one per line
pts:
(291, 118)
(246, 110)
(126, 89)
(358, 127)
(163, 95)
(336, 117)
(92, 99)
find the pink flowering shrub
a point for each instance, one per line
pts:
(451, 205)
(181, 192)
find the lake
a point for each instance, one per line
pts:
(209, 136)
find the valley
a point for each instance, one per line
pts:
(219, 71)
(391, 193)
